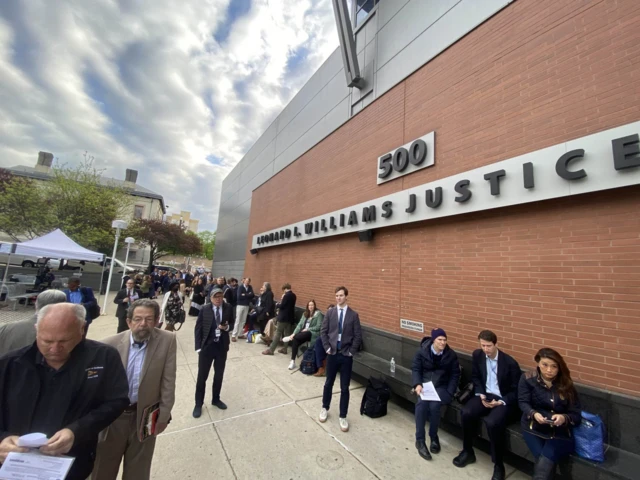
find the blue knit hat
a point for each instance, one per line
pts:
(438, 332)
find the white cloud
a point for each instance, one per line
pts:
(145, 85)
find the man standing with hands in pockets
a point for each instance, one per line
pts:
(341, 338)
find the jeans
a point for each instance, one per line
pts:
(555, 449)
(343, 364)
(299, 339)
(321, 354)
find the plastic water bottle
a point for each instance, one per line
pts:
(393, 366)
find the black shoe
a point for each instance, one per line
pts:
(435, 445)
(498, 472)
(220, 404)
(422, 450)
(465, 458)
(197, 411)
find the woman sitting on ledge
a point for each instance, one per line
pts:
(550, 407)
(308, 330)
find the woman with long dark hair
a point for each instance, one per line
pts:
(550, 408)
(197, 299)
(308, 330)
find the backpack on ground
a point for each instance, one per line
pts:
(375, 398)
(252, 335)
(308, 363)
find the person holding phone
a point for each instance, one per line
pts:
(550, 408)
(215, 320)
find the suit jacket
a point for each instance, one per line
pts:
(121, 312)
(16, 335)
(244, 295)
(205, 323)
(509, 374)
(158, 377)
(287, 312)
(88, 300)
(351, 332)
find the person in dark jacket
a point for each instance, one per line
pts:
(82, 296)
(434, 362)
(550, 408)
(63, 386)
(267, 307)
(244, 297)
(286, 319)
(495, 376)
(124, 298)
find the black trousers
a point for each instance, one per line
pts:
(210, 354)
(495, 419)
(343, 364)
(298, 339)
(122, 324)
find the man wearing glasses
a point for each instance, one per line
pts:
(149, 356)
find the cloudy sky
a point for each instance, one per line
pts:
(177, 89)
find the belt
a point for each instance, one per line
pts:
(131, 408)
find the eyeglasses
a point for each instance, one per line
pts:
(145, 320)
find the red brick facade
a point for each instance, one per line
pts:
(560, 273)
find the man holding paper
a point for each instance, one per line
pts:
(63, 386)
(149, 357)
(435, 369)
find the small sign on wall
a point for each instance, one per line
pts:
(411, 325)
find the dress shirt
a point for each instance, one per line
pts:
(344, 316)
(492, 376)
(134, 368)
(433, 350)
(75, 297)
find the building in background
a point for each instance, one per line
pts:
(145, 203)
(512, 205)
(184, 218)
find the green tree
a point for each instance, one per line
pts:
(77, 200)
(163, 239)
(208, 239)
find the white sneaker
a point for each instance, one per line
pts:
(324, 414)
(292, 364)
(344, 425)
(286, 339)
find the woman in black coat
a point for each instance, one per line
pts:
(267, 307)
(198, 298)
(550, 408)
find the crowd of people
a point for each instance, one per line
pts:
(94, 399)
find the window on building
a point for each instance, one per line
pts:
(138, 211)
(362, 9)
(133, 254)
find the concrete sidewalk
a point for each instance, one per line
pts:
(271, 431)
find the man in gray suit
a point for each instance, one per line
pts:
(341, 338)
(23, 333)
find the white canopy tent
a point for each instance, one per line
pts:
(52, 245)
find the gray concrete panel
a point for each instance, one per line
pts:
(403, 29)
(265, 157)
(458, 21)
(387, 10)
(262, 176)
(243, 211)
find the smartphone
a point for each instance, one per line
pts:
(549, 421)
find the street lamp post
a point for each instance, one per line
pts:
(118, 225)
(128, 241)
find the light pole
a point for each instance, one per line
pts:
(118, 225)
(128, 241)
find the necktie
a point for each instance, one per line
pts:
(340, 327)
(138, 344)
(217, 315)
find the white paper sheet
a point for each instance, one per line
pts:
(32, 440)
(429, 392)
(35, 466)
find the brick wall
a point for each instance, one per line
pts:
(561, 273)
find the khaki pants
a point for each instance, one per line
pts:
(122, 441)
(282, 330)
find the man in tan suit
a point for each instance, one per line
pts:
(149, 356)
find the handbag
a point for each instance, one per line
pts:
(590, 437)
(182, 316)
(464, 394)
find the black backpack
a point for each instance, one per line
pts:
(375, 398)
(308, 363)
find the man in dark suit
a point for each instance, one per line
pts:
(212, 344)
(495, 378)
(286, 319)
(341, 336)
(83, 296)
(124, 298)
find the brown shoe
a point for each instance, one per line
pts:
(241, 337)
(267, 352)
(283, 351)
(320, 372)
(233, 339)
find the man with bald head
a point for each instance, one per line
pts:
(63, 386)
